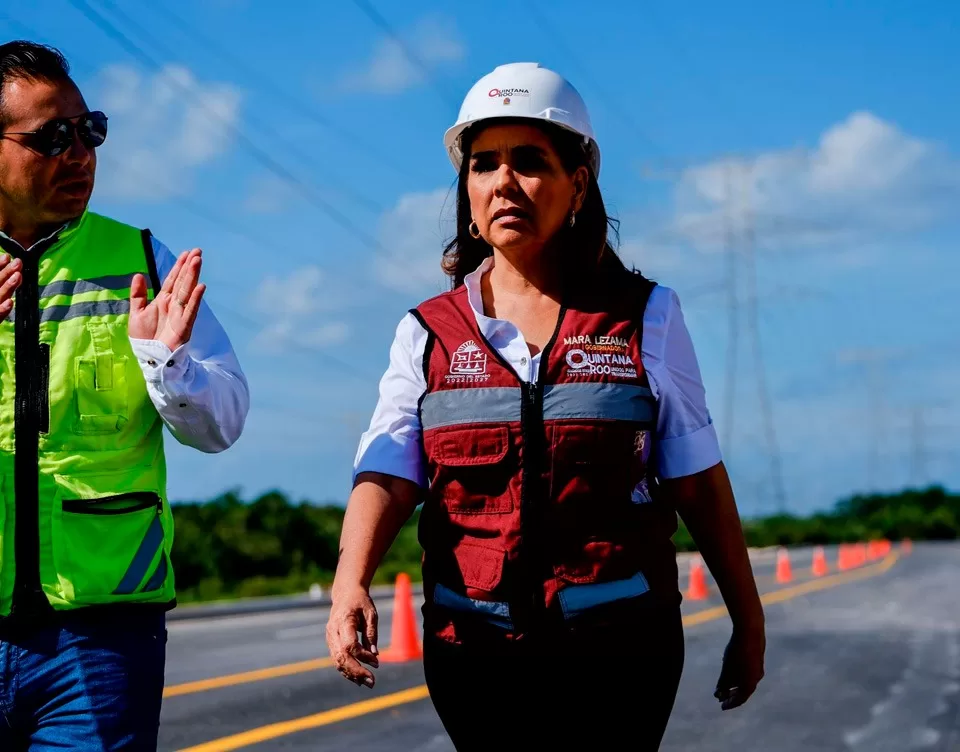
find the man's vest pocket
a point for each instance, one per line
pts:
(109, 548)
(101, 386)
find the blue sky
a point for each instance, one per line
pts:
(837, 128)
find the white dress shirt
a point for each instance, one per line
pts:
(688, 441)
(199, 390)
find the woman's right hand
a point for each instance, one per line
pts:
(10, 278)
(353, 612)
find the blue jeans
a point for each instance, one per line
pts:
(84, 685)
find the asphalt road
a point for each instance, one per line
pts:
(867, 659)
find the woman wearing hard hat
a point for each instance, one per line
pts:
(548, 412)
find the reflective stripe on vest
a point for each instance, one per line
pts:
(574, 599)
(594, 401)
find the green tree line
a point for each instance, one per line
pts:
(227, 547)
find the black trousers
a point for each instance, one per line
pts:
(608, 680)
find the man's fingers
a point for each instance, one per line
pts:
(189, 275)
(138, 293)
(10, 285)
(10, 277)
(192, 307)
(174, 274)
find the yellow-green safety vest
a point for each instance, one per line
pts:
(85, 518)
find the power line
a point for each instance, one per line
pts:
(243, 319)
(358, 198)
(296, 104)
(256, 151)
(549, 30)
(412, 56)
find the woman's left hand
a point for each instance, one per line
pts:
(742, 667)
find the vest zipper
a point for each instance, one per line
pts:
(531, 477)
(43, 388)
(531, 472)
(31, 418)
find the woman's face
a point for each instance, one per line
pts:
(520, 194)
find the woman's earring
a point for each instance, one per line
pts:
(474, 231)
(573, 218)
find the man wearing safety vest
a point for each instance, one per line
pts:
(104, 339)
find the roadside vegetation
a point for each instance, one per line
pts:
(231, 548)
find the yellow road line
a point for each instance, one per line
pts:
(247, 676)
(262, 734)
(794, 591)
(345, 712)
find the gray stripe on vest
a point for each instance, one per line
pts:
(495, 612)
(88, 309)
(495, 404)
(75, 287)
(141, 561)
(578, 598)
(598, 400)
(159, 576)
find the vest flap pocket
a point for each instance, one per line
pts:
(480, 567)
(475, 471)
(109, 546)
(465, 447)
(101, 393)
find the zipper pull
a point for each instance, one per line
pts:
(530, 391)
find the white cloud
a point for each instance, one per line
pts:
(294, 309)
(414, 233)
(160, 134)
(435, 42)
(864, 179)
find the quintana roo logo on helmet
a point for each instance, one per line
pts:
(469, 363)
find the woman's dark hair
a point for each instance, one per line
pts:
(584, 250)
(21, 59)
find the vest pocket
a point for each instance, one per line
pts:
(475, 469)
(101, 393)
(109, 548)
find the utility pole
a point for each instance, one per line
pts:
(873, 362)
(875, 423)
(918, 448)
(766, 412)
(739, 239)
(733, 313)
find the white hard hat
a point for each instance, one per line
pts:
(525, 90)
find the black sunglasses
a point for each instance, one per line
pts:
(56, 136)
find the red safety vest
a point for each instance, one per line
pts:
(543, 501)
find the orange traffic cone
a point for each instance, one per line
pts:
(784, 573)
(861, 554)
(843, 557)
(404, 643)
(819, 567)
(698, 581)
(906, 545)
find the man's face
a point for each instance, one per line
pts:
(36, 189)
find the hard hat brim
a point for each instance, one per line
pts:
(451, 138)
